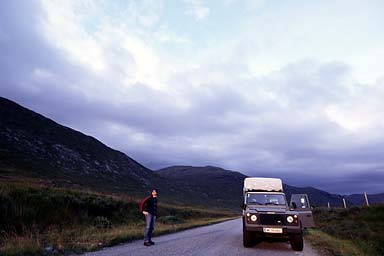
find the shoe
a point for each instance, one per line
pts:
(152, 243)
(147, 244)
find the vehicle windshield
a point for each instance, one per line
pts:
(265, 199)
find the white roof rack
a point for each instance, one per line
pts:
(263, 184)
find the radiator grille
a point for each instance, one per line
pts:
(272, 219)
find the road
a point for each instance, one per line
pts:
(220, 239)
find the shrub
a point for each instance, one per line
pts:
(102, 222)
(170, 220)
(43, 208)
(361, 225)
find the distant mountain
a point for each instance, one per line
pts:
(359, 199)
(33, 146)
(212, 183)
(226, 186)
(316, 197)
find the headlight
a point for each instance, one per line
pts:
(253, 218)
(290, 219)
(248, 214)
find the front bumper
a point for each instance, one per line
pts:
(287, 230)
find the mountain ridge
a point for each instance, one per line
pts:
(317, 197)
(33, 146)
(38, 146)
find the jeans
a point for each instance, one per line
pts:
(149, 226)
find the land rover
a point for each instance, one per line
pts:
(266, 213)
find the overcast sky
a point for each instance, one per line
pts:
(290, 89)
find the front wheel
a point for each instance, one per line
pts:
(297, 242)
(247, 238)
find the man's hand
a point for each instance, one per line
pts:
(145, 213)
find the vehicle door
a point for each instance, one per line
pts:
(300, 203)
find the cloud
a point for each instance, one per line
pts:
(250, 5)
(114, 75)
(165, 35)
(196, 9)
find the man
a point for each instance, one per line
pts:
(149, 208)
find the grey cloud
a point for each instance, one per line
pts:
(310, 83)
(272, 125)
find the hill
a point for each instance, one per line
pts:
(317, 197)
(33, 147)
(359, 199)
(224, 185)
(212, 183)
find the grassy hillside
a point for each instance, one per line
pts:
(42, 220)
(35, 147)
(354, 231)
(224, 187)
(32, 145)
(212, 184)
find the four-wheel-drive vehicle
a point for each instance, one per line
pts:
(266, 213)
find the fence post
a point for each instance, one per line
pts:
(366, 198)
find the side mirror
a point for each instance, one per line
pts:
(242, 206)
(293, 205)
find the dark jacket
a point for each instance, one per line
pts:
(149, 204)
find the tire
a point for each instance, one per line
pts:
(247, 238)
(297, 242)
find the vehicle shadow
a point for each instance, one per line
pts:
(271, 244)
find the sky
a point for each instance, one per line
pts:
(290, 89)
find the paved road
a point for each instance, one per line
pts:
(219, 239)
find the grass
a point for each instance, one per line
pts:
(353, 231)
(46, 221)
(79, 240)
(329, 245)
